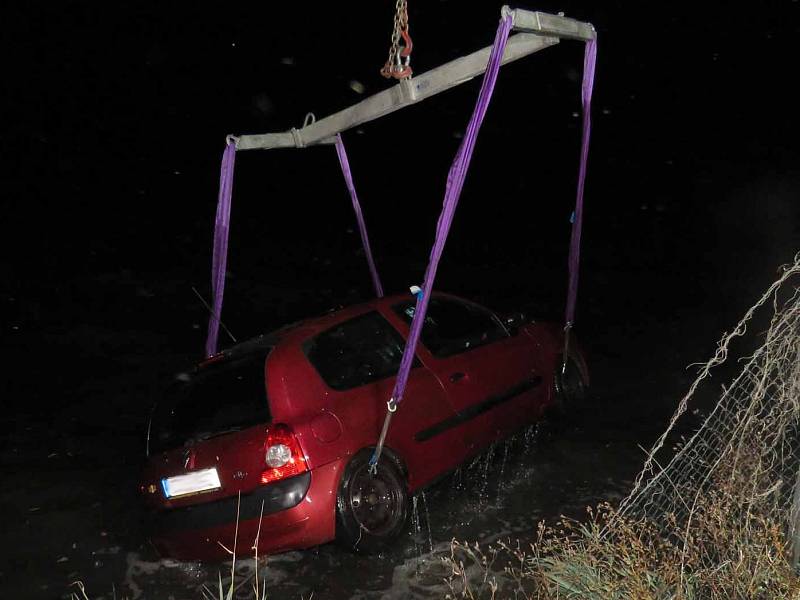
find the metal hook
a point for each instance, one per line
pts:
(409, 45)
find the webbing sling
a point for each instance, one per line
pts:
(455, 182)
(222, 227)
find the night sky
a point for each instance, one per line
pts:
(117, 115)
(115, 121)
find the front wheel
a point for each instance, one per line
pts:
(570, 388)
(371, 510)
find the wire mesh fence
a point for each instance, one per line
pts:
(743, 463)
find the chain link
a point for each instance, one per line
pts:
(397, 65)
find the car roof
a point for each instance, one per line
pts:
(380, 304)
(318, 323)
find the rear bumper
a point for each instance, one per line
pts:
(299, 512)
(275, 497)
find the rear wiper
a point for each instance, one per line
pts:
(207, 436)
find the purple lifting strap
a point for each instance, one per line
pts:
(589, 60)
(455, 182)
(220, 257)
(221, 230)
(362, 228)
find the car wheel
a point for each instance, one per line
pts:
(371, 509)
(570, 388)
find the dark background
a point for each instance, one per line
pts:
(116, 117)
(115, 121)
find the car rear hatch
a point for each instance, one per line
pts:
(209, 435)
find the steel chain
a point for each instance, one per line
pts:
(395, 66)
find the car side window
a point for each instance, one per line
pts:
(452, 327)
(359, 351)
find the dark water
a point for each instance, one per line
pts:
(116, 119)
(79, 520)
(69, 492)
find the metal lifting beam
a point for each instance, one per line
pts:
(537, 31)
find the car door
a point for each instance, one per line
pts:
(489, 375)
(359, 359)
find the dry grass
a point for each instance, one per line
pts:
(610, 557)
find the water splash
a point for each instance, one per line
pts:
(501, 478)
(531, 434)
(458, 484)
(427, 521)
(415, 525)
(483, 496)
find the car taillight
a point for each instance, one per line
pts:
(282, 455)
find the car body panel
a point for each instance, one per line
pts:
(309, 523)
(238, 458)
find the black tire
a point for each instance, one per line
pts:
(371, 510)
(570, 389)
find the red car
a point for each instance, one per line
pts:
(277, 432)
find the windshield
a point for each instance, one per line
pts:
(211, 400)
(453, 326)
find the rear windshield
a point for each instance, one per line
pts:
(213, 400)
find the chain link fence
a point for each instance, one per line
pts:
(743, 463)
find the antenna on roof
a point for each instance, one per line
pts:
(209, 309)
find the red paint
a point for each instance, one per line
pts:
(330, 426)
(326, 427)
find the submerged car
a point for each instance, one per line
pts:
(267, 444)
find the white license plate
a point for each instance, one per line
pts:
(191, 483)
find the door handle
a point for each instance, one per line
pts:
(457, 376)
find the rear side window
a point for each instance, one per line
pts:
(219, 398)
(356, 352)
(452, 327)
